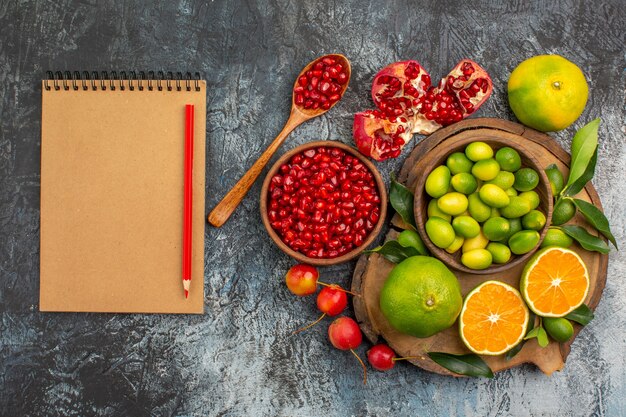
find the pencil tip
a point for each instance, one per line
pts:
(186, 294)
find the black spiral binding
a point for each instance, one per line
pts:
(103, 80)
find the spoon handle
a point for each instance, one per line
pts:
(229, 203)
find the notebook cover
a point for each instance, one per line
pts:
(112, 172)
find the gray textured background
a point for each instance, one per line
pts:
(238, 358)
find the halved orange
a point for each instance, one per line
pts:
(493, 318)
(555, 282)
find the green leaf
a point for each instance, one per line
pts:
(584, 144)
(595, 218)
(470, 364)
(394, 251)
(580, 183)
(401, 200)
(532, 334)
(582, 315)
(586, 240)
(542, 337)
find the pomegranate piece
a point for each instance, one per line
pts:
(323, 202)
(380, 137)
(408, 103)
(320, 86)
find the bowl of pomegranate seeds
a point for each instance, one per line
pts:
(323, 203)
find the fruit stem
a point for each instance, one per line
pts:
(362, 364)
(338, 288)
(309, 325)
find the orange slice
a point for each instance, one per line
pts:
(555, 282)
(493, 318)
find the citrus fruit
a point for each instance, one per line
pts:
(465, 226)
(555, 282)
(458, 163)
(563, 212)
(493, 196)
(511, 192)
(517, 207)
(559, 328)
(421, 297)
(456, 244)
(478, 242)
(477, 259)
(556, 179)
(464, 183)
(504, 179)
(452, 203)
(547, 92)
(534, 220)
(433, 211)
(556, 237)
(526, 179)
(532, 197)
(496, 228)
(440, 232)
(486, 169)
(515, 225)
(523, 241)
(509, 159)
(410, 239)
(438, 182)
(477, 209)
(500, 253)
(493, 318)
(477, 151)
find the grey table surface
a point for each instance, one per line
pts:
(239, 358)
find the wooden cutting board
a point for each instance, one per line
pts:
(371, 270)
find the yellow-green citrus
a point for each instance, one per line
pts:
(556, 237)
(509, 159)
(440, 232)
(458, 162)
(547, 92)
(438, 182)
(421, 297)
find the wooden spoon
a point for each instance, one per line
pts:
(298, 115)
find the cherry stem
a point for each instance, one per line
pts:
(338, 288)
(362, 364)
(310, 325)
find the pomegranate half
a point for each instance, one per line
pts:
(408, 104)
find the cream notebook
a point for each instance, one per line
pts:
(112, 180)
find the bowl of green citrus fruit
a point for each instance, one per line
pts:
(483, 204)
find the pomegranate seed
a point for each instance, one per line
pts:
(333, 214)
(334, 98)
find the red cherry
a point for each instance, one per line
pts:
(381, 357)
(332, 300)
(302, 279)
(345, 334)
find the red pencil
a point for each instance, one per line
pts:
(188, 197)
